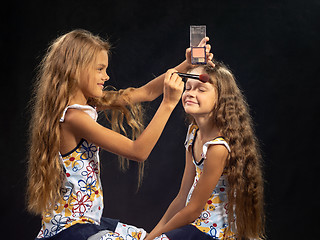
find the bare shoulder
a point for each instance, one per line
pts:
(217, 155)
(71, 129)
(75, 116)
(78, 122)
(218, 150)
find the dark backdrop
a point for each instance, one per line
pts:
(271, 46)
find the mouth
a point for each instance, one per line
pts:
(101, 85)
(189, 102)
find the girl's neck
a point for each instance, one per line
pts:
(207, 129)
(78, 98)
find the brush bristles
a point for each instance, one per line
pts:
(204, 78)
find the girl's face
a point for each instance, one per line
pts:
(93, 80)
(199, 98)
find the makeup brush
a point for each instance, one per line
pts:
(202, 77)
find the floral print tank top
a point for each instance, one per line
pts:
(82, 199)
(214, 217)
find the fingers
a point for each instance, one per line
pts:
(208, 48)
(173, 87)
(211, 63)
(188, 51)
(169, 74)
(209, 55)
(177, 81)
(203, 42)
(172, 79)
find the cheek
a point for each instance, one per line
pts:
(212, 103)
(183, 95)
(92, 82)
(83, 83)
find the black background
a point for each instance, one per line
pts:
(272, 48)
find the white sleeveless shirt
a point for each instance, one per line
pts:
(82, 199)
(214, 217)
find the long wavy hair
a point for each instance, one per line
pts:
(244, 165)
(58, 76)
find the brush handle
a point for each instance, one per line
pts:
(187, 75)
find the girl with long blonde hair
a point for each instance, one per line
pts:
(221, 194)
(64, 184)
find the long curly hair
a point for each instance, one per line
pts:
(57, 78)
(244, 165)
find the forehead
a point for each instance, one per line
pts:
(102, 57)
(198, 71)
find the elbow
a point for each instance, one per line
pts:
(194, 213)
(136, 152)
(149, 97)
(141, 152)
(153, 96)
(140, 157)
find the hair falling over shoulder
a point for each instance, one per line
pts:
(115, 114)
(57, 78)
(244, 166)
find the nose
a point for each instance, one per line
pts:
(106, 77)
(189, 93)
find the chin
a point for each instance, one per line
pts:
(98, 94)
(188, 111)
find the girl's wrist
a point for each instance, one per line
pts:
(168, 105)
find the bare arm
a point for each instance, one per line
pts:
(213, 168)
(83, 126)
(154, 88)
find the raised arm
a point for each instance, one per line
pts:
(83, 126)
(154, 88)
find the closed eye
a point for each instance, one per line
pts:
(100, 67)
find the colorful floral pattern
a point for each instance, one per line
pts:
(162, 237)
(214, 217)
(125, 232)
(82, 199)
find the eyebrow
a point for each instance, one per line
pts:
(101, 65)
(196, 83)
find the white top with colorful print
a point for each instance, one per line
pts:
(214, 217)
(82, 199)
